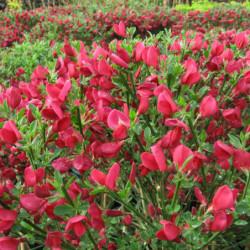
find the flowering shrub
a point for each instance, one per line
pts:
(95, 23)
(129, 144)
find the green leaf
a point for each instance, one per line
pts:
(52, 183)
(122, 193)
(137, 128)
(33, 126)
(196, 224)
(206, 53)
(58, 178)
(33, 109)
(182, 102)
(240, 222)
(187, 217)
(88, 133)
(84, 206)
(97, 191)
(187, 161)
(69, 182)
(242, 208)
(117, 81)
(235, 141)
(203, 136)
(132, 115)
(177, 208)
(16, 228)
(63, 210)
(147, 133)
(5, 106)
(53, 200)
(209, 148)
(20, 115)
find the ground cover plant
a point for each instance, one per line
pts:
(131, 140)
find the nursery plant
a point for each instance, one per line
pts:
(128, 143)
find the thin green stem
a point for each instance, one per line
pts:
(127, 87)
(131, 208)
(223, 84)
(177, 187)
(90, 236)
(229, 91)
(143, 199)
(44, 138)
(246, 187)
(4, 205)
(79, 121)
(210, 240)
(139, 142)
(145, 116)
(207, 122)
(193, 133)
(197, 145)
(162, 200)
(204, 177)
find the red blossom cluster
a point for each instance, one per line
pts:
(151, 119)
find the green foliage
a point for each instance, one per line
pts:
(205, 5)
(26, 56)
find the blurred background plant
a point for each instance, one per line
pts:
(14, 4)
(182, 5)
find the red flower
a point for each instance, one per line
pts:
(227, 55)
(191, 76)
(150, 56)
(7, 219)
(118, 61)
(132, 174)
(217, 48)
(32, 177)
(54, 239)
(30, 202)
(8, 243)
(14, 97)
(144, 105)
(197, 44)
(104, 68)
(69, 50)
(127, 220)
(138, 51)
(9, 133)
(223, 199)
(241, 40)
(166, 105)
(172, 138)
(151, 210)
(180, 155)
(169, 232)
(241, 159)
(222, 151)
(82, 163)
(221, 221)
(119, 122)
(209, 106)
(155, 161)
(75, 224)
(200, 197)
(113, 213)
(120, 29)
(109, 149)
(62, 164)
(108, 180)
